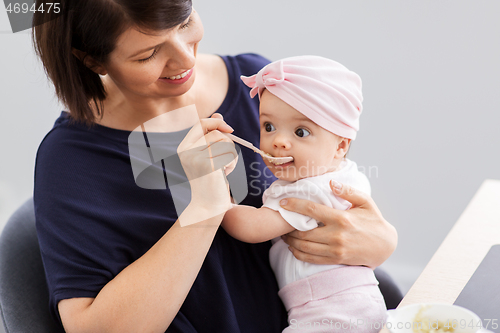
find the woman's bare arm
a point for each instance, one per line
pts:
(147, 294)
(254, 225)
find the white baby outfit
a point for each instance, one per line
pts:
(331, 295)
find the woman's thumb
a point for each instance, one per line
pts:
(349, 193)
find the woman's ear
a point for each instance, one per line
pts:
(89, 62)
(342, 147)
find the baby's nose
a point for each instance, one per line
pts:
(281, 142)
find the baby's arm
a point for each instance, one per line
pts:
(254, 225)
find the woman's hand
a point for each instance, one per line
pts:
(228, 168)
(358, 236)
(203, 153)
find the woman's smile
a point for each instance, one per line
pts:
(179, 78)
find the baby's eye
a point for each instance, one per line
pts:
(302, 132)
(269, 127)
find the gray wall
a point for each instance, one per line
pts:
(430, 73)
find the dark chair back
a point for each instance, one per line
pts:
(24, 298)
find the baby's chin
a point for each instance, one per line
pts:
(287, 178)
(293, 173)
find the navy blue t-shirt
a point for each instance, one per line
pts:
(93, 220)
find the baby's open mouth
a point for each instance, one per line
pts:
(279, 160)
(281, 163)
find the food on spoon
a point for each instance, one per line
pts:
(276, 162)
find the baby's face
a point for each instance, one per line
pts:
(286, 132)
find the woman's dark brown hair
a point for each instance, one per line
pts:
(93, 27)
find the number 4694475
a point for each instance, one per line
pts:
(24, 8)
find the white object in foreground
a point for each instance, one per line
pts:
(416, 318)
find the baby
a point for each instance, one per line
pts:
(309, 110)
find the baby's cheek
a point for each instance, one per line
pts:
(263, 142)
(308, 167)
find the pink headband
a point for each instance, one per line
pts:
(321, 89)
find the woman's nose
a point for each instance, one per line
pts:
(281, 142)
(181, 55)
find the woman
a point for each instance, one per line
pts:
(115, 255)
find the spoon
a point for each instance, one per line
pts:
(274, 160)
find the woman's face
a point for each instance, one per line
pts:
(159, 65)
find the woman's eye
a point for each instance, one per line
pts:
(269, 127)
(302, 132)
(151, 57)
(185, 25)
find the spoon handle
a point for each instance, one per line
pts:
(242, 142)
(278, 160)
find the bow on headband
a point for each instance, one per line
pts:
(270, 75)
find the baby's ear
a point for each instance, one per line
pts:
(343, 147)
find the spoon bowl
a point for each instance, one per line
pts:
(272, 159)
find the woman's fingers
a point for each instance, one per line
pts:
(325, 245)
(207, 131)
(222, 154)
(210, 152)
(358, 236)
(313, 259)
(219, 120)
(328, 241)
(319, 212)
(205, 150)
(217, 116)
(328, 215)
(216, 136)
(221, 149)
(311, 252)
(317, 235)
(229, 167)
(355, 197)
(195, 135)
